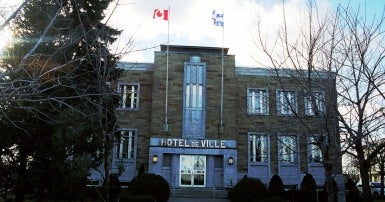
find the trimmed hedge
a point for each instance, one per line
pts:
(148, 184)
(308, 183)
(248, 189)
(276, 186)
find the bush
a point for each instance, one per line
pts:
(308, 183)
(276, 185)
(114, 188)
(248, 189)
(352, 193)
(150, 184)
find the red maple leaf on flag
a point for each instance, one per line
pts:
(159, 14)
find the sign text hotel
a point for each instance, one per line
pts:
(192, 143)
(173, 142)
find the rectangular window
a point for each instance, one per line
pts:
(258, 144)
(287, 149)
(125, 146)
(286, 102)
(314, 151)
(129, 96)
(194, 113)
(194, 95)
(257, 101)
(316, 106)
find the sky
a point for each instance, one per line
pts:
(190, 23)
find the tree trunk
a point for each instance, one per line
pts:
(364, 172)
(21, 181)
(382, 165)
(107, 167)
(330, 189)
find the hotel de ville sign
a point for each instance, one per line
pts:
(192, 143)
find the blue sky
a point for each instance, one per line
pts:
(371, 6)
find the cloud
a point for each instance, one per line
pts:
(191, 24)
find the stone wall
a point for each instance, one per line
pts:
(150, 117)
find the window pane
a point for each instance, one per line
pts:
(318, 101)
(124, 96)
(188, 98)
(257, 101)
(288, 149)
(194, 95)
(125, 145)
(315, 154)
(200, 96)
(258, 148)
(286, 102)
(129, 96)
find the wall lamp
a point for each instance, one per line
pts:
(155, 159)
(230, 160)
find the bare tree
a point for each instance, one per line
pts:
(361, 76)
(310, 57)
(350, 48)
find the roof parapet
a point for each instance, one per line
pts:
(270, 72)
(134, 66)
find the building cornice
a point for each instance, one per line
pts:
(271, 72)
(132, 66)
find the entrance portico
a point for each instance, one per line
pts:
(194, 163)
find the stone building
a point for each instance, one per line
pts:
(199, 123)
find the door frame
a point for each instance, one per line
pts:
(192, 170)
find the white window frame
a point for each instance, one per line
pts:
(314, 151)
(288, 149)
(257, 97)
(125, 144)
(129, 96)
(287, 104)
(194, 95)
(259, 144)
(319, 101)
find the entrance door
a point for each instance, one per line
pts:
(192, 170)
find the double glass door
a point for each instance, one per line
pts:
(192, 170)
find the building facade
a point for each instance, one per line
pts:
(198, 120)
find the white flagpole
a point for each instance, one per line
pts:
(222, 61)
(165, 126)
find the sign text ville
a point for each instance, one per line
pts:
(171, 142)
(192, 143)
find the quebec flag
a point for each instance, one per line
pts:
(218, 18)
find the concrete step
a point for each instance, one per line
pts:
(195, 192)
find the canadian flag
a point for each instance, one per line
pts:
(159, 14)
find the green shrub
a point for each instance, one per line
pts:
(150, 184)
(276, 185)
(308, 183)
(248, 189)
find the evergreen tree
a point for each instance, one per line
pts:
(57, 112)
